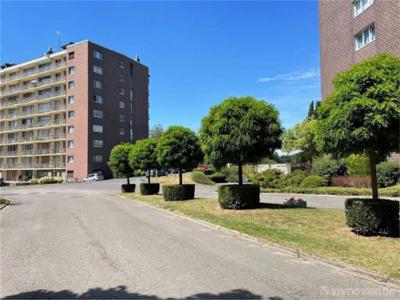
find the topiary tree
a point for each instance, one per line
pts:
(179, 148)
(143, 156)
(362, 115)
(240, 130)
(119, 161)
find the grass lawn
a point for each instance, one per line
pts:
(318, 231)
(3, 202)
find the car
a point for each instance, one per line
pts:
(93, 177)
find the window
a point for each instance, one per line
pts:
(70, 159)
(97, 114)
(98, 99)
(71, 129)
(360, 5)
(97, 84)
(121, 131)
(71, 84)
(122, 64)
(121, 118)
(98, 128)
(70, 144)
(98, 69)
(121, 78)
(71, 114)
(71, 55)
(97, 54)
(122, 91)
(365, 37)
(121, 104)
(71, 70)
(97, 143)
(71, 99)
(98, 158)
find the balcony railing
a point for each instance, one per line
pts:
(33, 125)
(31, 72)
(33, 152)
(32, 98)
(9, 141)
(18, 166)
(30, 85)
(51, 108)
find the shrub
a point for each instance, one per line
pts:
(391, 191)
(231, 173)
(352, 181)
(217, 177)
(200, 177)
(314, 181)
(34, 181)
(271, 178)
(128, 188)
(357, 165)
(373, 217)
(388, 173)
(295, 202)
(295, 178)
(239, 196)
(326, 166)
(207, 171)
(175, 192)
(149, 188)
(48, 180)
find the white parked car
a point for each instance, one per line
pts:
(93, 177)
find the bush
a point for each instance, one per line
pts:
(48, 180)
(239, 196)
(217, 177)
(149, 188)
(231, 173)
(357, 165)
(271, 178)
(34, 181)
(352, 181)
(175, 192)
(373, 217)
(295, 178)
(388, 173)
(128, 188)
(327, 167)
(200, 177)
(314, 181)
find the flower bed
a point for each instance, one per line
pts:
(295, 202)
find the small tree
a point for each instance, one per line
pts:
(179, 148)
(156, 131)
(240, 130)
(143, 156)
(362, 115)
(119, 161)
(311, 110)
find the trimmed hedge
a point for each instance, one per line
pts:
(177, 192)
(201, 178)
(373, 217)
(313, 181)
(218, 177)
(239, 196)
(149, 188)
(128, 188)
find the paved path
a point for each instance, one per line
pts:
(79, 240)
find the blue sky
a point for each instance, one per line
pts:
(199, 53)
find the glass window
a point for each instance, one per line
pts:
(97, 113)
(121, 118)
(98, 70)
(71, 99)
(122, 64)
(360, 5)
(98, 158)
(71, 70)
(121, 78)
(98, 143)
(98, 128)
(121, 131)
(365, 37)
(71, 84)
(97, 84)
(121, 104)
(71, 55)
(70, 159)
(122, 91)
(98, 99)
(97, 54)
(71, 129)
(71, 114)
(70, 144)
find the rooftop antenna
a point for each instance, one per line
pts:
(59, 39)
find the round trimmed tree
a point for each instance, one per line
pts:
(239, 131)
(179, 148)
(119, 165)
(143, 157)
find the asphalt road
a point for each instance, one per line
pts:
(80, 240)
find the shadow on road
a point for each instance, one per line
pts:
(121, 292)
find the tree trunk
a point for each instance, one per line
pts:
(148, 176)
(180, 176)
(372, 168)
(127, 180)
(240, 169)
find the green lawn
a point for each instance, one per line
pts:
(3, 202)
(318, 231)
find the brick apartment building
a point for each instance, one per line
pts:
(61, 114)
(353, 30)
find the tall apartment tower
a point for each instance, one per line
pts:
(353, 30)
(61, 114)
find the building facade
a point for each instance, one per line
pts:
(61, 114)
(353, 30)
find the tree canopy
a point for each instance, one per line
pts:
(362, 115)
(179, 148)
(119, 161)
(156, 131)
(143, 156)
(240, 130)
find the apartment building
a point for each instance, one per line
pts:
(353, 30)
(61, 114)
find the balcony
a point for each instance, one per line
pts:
(32, 139)
(32, 125)
(50, 108)
(31, 166)
(32, 72)
(31, 85)
(34, 152)
(4, 104)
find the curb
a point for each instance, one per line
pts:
(358, 272)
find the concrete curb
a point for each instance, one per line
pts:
(341, 266)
